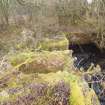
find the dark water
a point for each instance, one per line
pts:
(85, 55)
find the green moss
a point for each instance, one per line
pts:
(19, 58)
(76, 96)
(53, 44)
(4, 96)
(80, 94)
(43, 62)
(21, 81)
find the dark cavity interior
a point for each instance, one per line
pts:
(87, 54)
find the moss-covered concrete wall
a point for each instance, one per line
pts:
(24, 84)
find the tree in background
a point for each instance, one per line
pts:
(4, 13)
(98, 15)
(71, 9)
(43, 15)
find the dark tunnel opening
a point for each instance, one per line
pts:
(87, 54)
